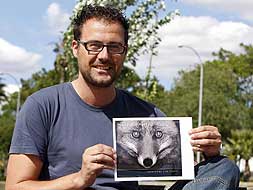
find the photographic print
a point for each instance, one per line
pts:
(153, 148)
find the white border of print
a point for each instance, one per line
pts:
(186, 150)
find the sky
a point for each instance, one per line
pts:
(30, 28)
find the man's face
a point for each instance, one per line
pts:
(102, 68)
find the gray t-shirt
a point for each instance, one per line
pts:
(57, 125)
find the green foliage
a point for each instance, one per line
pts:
(7, 121)
(242, 66)
(153, 92)
(240, 143)
(2, 93)
(240, 146)
(227, 94)
(128, 79)
(39, 80)
(227, 100)
(7, 125)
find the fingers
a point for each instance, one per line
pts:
(205, 142)
(203, 128)
(206, 139)
(102, 156)
(102, 153)
(205, 132)
(104, 161)
(100, 149)
(205, 149)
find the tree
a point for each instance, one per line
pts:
(6, 129)
(227, 96)
(242, 66)
(39, 80)
(218, 94)
(3, 131)
(2, 93)
(240, 146)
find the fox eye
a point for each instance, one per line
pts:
(136, 134)
(158, 134)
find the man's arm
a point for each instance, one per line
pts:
(23, 171)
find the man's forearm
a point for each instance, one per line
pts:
(69, 182)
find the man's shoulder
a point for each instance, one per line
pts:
(50, 95)
(51, 91)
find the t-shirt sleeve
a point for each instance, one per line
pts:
(30, 133)
(159, 113)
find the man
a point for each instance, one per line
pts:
(63, 135)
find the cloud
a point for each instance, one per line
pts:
(10, 88)
(243, 7)
(57, 20)
(205, 34)
(14, 59)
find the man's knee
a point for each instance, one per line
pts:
(214, 173)
(221, 170)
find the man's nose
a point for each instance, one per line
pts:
(104, 54)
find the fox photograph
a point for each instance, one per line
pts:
(147, 147)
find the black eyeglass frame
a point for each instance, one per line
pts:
(85, 44)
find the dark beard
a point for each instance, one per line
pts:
(100, 84)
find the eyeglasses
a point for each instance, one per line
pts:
(94, 47)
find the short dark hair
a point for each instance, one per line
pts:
(106, 13)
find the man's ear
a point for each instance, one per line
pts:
(75, 47)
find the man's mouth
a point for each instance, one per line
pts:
(105, 68)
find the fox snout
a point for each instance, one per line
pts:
(145, 154)
(147, 162)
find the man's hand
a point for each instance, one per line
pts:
(95, 159)
(206, 139)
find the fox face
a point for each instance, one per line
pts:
(149, 142)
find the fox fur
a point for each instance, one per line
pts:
(148, 144)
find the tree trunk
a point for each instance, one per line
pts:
(246, 173)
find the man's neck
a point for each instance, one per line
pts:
(94, 96)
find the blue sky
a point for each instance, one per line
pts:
(29, 29)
